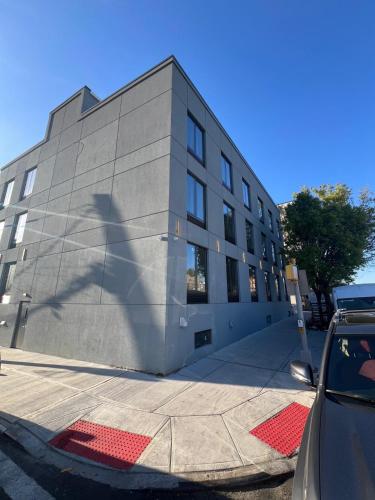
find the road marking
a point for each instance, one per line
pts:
(18, 485)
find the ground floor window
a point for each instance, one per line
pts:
(267, 284)
(196, 274)
(202, 338)
(232, 280)
(253, 283)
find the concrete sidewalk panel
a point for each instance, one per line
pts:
(202, 443)
(142, 391)
(127, 419)
(48, 422)
(157, 455)
(223, 389)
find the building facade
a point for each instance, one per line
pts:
(135, 234)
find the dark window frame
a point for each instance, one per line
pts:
(270, 221)
(202, 160)
(3, 194)
(264, 248)
(233, 293)
(202, 338)
(267, 286)
(12, 242)
(260, 209)
(253, 276)
(244, 182)
(24, 183)
(278, 287)
(274, 253)
(250, 248)
(226, 236)
(194, 296)
(4, 278)
(229, 188)
(191, 217)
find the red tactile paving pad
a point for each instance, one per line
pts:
(283, 432)
(109, 446)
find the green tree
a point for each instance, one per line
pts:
(329, 235)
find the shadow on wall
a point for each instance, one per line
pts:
(116, 278)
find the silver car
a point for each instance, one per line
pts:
(337, 453)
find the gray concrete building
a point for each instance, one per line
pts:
(135, 234)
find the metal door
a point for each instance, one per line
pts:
(19, 332)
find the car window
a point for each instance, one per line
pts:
(351, 365)
(356, 303)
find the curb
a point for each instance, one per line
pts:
(247, 475)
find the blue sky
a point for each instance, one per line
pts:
(293, 82)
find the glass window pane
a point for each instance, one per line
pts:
(246, 194)
(190, 194)
(8, 193)
(253, 284)
(277, 286)
(7, 278)
(226, 174)
(229, 225)
(260, 210)
(1, 228)
(232, 280)
(267, 286)
(191, 134)
(249, 236)
(198, 142)
(273, 250)
(196, 274)
(264, 247)
(20, 228)
(199, 201)
(30, 179)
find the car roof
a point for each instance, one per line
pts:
(354, 322)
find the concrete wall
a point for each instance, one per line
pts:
(103, 266)
(228, 321)
(96, 265)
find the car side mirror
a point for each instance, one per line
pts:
(302, 372)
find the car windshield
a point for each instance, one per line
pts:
(351, 366)
(356, 303)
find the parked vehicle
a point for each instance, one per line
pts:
(337, 453)
(354, 297)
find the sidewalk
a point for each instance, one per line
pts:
(196, 422)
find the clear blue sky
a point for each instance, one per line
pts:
(293, 82)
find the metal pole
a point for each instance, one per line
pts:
(306, 354)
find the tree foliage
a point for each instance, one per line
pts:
(329, 235)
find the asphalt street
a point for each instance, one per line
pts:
(22, 477)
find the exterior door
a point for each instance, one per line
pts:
(19, 333)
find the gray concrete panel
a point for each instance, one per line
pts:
(145, 125)
(97, 148)
(65, 164)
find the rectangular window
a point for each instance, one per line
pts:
(18, 229)
(202, 338)
(285, 289)
(232, 280)
(264, 247)
(196, 201)
(267, 285)
(1, 228)
(282, 260)
(278, 227)
(195, 139)
(253, 284)
(246, 194)
(7, 278)
(270, 221)
(29, 182)
(7, 193)
(196, 274)
(260, 210)
(249, 236)
(273, 251)
(229, 223)
(226, 172)
(277, 287)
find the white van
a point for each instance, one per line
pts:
(354, 297)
